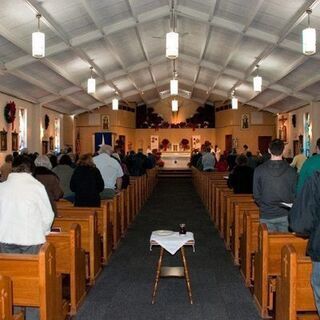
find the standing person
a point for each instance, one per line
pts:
(110, 170)
(241, 177)
(222, 164)
(298, 161)
(64, 171)
(6, 168)
(49, 179)
(245, 149)
(86, 183)
(24, 220)
(217, 152)
(274, 182)
(309, 167)
(304, 218)
(208, 160)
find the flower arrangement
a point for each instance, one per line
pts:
(165, 144)
(10, 112)
(185, 144)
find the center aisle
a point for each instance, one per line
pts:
(123, 291)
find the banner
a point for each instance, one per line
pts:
(154, 142)
(196, 143)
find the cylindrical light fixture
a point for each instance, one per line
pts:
(91, 84)
(234, 102)
(172, 45)
(174, 87)
(174, 105)
(115, 104)
(38, 42)
(309, 38)
(257, 83)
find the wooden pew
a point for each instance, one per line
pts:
(222, 199)
(268, 264)
(213, 200)
(231, 199)
(6, 300)
(133, 197)
(249, 245)
(35, 281)
(218, 203)
(70, 259)
(108, 227)
(294, 291)
(237, 227)
(90, 238)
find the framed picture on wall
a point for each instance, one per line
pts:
(105, 122)
(3, 140)
(244, 124)
(15, 139)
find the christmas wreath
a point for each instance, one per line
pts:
(10, 112)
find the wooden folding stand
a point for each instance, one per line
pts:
(177, 272)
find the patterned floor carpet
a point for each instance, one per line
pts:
(123, 291)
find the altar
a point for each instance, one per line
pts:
(173, 159)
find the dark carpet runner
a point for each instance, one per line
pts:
(123, 291)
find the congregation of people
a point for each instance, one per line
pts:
(287, 194)
(41, 180)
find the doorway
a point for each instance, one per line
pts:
(263, 143)
(228, 142)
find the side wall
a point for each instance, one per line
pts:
(260, 123)
(120, 123)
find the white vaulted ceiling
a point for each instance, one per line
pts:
(124, 41)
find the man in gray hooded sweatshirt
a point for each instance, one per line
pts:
(274, 182)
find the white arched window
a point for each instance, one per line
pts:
(57, 145)
(22, 128)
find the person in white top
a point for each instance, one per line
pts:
(110, 170)
(25, 211)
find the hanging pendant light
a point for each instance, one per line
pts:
(309, 38)
(172, 37)
(115, 104)
(234, 101)
(174, 105)
(257, 82)
(38, 42)
(91, 84)
(174, 87)
(172, 45)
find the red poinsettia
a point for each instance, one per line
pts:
(165, 144)
(184, 144)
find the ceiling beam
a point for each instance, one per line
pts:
(17, 94)
(40, 84)
(142, 46)
(294, 21)
(204, 48)
(237, 43)
(48, 19)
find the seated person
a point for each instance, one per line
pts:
(110, 170)
(64, 171)
(48, 178)
(208, 160)
(86, 183)
(241, 177)
(25, 211)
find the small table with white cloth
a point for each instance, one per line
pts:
(172, 242)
